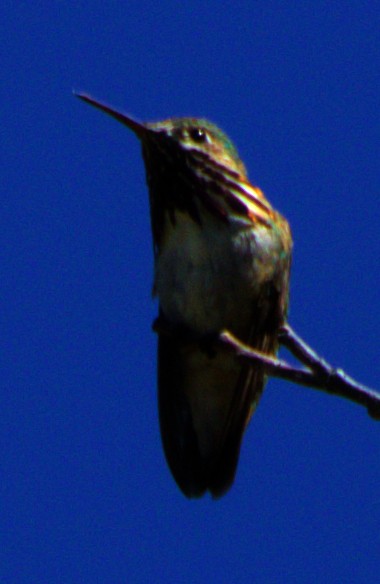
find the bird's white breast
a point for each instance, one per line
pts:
(201, 280)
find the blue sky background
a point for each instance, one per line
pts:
(85, 493)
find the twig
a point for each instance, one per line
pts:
(318, 374)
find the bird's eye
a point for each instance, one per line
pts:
(198, 135)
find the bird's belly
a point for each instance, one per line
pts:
(199, 280)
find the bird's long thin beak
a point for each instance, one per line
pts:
(137, 127)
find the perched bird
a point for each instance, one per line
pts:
(222, 261)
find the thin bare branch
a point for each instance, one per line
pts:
(318, 374)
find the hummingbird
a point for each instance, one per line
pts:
(222, 258)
